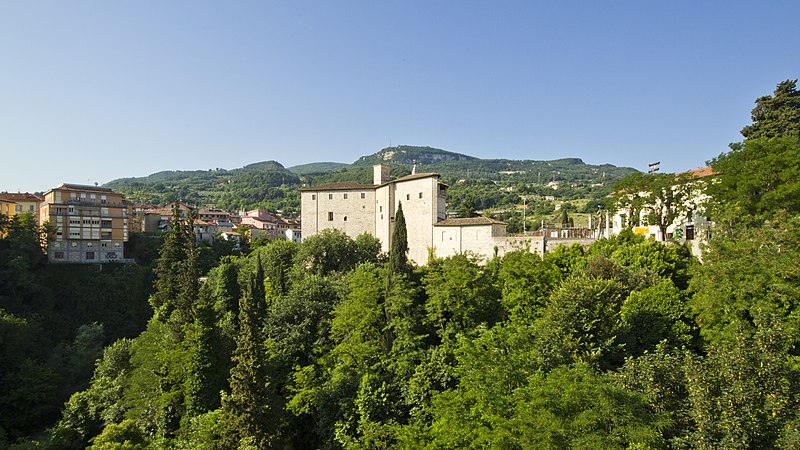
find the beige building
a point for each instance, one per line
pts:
(370, 208)
(90, 223)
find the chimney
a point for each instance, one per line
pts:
(380, 174)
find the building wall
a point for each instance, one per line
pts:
(419, 199)
(91, 225)
(351, 211)
(485, 241)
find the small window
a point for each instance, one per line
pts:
(89, 255)
(345, 218)
(408, 196)
(58, 255)
(345, 196)
(313, 196)
(380, 209)
(420, 195)
(18, 208)
(363, 195)
(330, 216)
(330, 196)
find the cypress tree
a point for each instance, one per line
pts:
(398, 261)
(246, 408)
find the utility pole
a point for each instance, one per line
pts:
(524, 214)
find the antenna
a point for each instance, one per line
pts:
(653, 167)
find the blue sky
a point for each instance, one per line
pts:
(97, 90)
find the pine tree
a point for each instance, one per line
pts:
(177, 273)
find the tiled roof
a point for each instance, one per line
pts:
(702, 172)
(83, 187)
(468, 221)
(343, 186)
(414, 176)
(19, 197)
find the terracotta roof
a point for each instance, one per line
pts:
(19, 197)
(343, 186)
(83, 187)
(414, 176)
(702, 172)
(467, 221)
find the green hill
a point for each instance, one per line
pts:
(317, 167)
(485, 183)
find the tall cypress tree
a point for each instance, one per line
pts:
(246, 408)
(398, 260)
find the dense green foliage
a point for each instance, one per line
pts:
(54, 322)
(776, 115)
(619, 345)
(625, 344)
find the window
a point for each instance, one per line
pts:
(30, 208)
(104, 244)
(111, 255)
(420, 195)
(330, 216)
(58, 255)
(363, 195)
(18, 208)
(345, 218)
(380, 208)
(408, 196)
(89, 255)
(74, 245)
(313, 196)
(105, 224)
(345, 196)
(330, 196)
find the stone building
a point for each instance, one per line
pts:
(370, 208)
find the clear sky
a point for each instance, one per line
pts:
(97, 90)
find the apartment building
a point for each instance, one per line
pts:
(91, 224)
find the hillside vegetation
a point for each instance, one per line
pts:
(482, 184)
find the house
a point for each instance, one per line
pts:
(692, 225)
(12, 204)
(91, 224)
(274, 225)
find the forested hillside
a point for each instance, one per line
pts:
(626, 344)
(495, 187)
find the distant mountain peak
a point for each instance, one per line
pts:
(408, 154)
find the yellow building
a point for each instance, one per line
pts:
(90, 224)
(12, 204)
